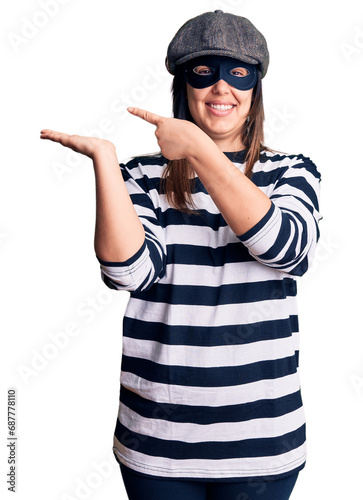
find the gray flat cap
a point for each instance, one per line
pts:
(218, 33)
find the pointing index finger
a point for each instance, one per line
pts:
(145, 115)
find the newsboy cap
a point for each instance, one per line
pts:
(218, 33)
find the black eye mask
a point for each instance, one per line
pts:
(220, 68)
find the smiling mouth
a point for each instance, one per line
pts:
(221, 107)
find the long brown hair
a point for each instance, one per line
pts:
(176, 181)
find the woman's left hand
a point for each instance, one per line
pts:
(177, 138)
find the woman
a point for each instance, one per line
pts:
(207, 237)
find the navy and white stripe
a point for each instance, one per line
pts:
(209, 385)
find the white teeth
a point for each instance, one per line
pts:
(221, 107)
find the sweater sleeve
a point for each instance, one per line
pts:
(286, 237)
(147, 265)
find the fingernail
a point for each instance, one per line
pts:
(130, 109)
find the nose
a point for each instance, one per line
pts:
(221, 87)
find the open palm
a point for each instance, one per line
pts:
(79, 143)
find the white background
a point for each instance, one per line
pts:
(74, 69)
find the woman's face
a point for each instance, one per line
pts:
(220, 111)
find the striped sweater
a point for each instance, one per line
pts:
(209, 385)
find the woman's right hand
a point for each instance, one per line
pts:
(88, 146)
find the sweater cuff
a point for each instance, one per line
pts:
(125, 263)
(253, 236)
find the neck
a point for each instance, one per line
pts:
(229, 146)
(229, 143)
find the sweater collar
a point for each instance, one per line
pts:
(236, 156)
